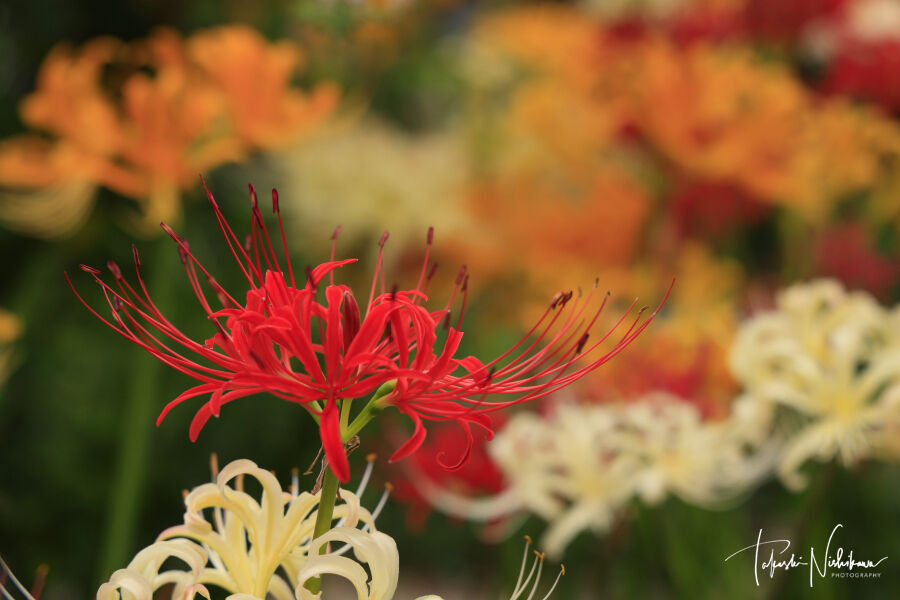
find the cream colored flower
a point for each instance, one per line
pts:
(253, 548)
(578, 466)
(830, 360)
(143, 575)
(702, 462)
(368, 177)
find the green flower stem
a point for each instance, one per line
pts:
(325, 514)
(138, 416)
(368, 412)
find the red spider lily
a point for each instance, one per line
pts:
(285, 341)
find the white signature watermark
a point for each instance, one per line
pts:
(834, 563)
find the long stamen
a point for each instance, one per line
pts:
(4, 568)
(276, 208)
(537, 579)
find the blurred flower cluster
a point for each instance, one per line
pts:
(144, 118)
(749, 150)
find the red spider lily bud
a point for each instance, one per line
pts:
(349, 318)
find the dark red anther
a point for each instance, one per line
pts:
(248, 242)
(394, 289)
(276, 207)
(581, 342)
(446, 323)
(465, 285)
(169, 230)
(336, 232)
(490, 375)
(430, 238)
(350, 319)
(554, 302)
(309, 277)
(114, 269)
(116, 303)
(90, 270)
(431, 272)
(136, 255)
(183, 253)
(384, 239)
(254, 201)
(461, 274)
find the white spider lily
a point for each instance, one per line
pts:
(237, 551)
(255, 548)
(578, 466)
(830, 358)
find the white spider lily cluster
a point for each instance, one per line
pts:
(255, 548)
(578, 466)
(823, 370)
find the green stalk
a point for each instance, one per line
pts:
(137, 423)
(325, 514)
(324, 517)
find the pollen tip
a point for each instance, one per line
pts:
(384, 239)
(88, 269)
(136, 255)
(214, 464)
(254, 201)
(528, 539)
(114, 269)
(581, 343)
(337, 232)
(276, 206)
(430, 237)
(295, 472)
(169, 231)
(371, 457)
(540, 555)
(185, 494)
(389, 486)
(461, 274)
(562, 568)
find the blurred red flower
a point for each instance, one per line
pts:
(845, 252)
(869, 70)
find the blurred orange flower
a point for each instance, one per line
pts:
(712, 112)
(255, 77)
(143, 119)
